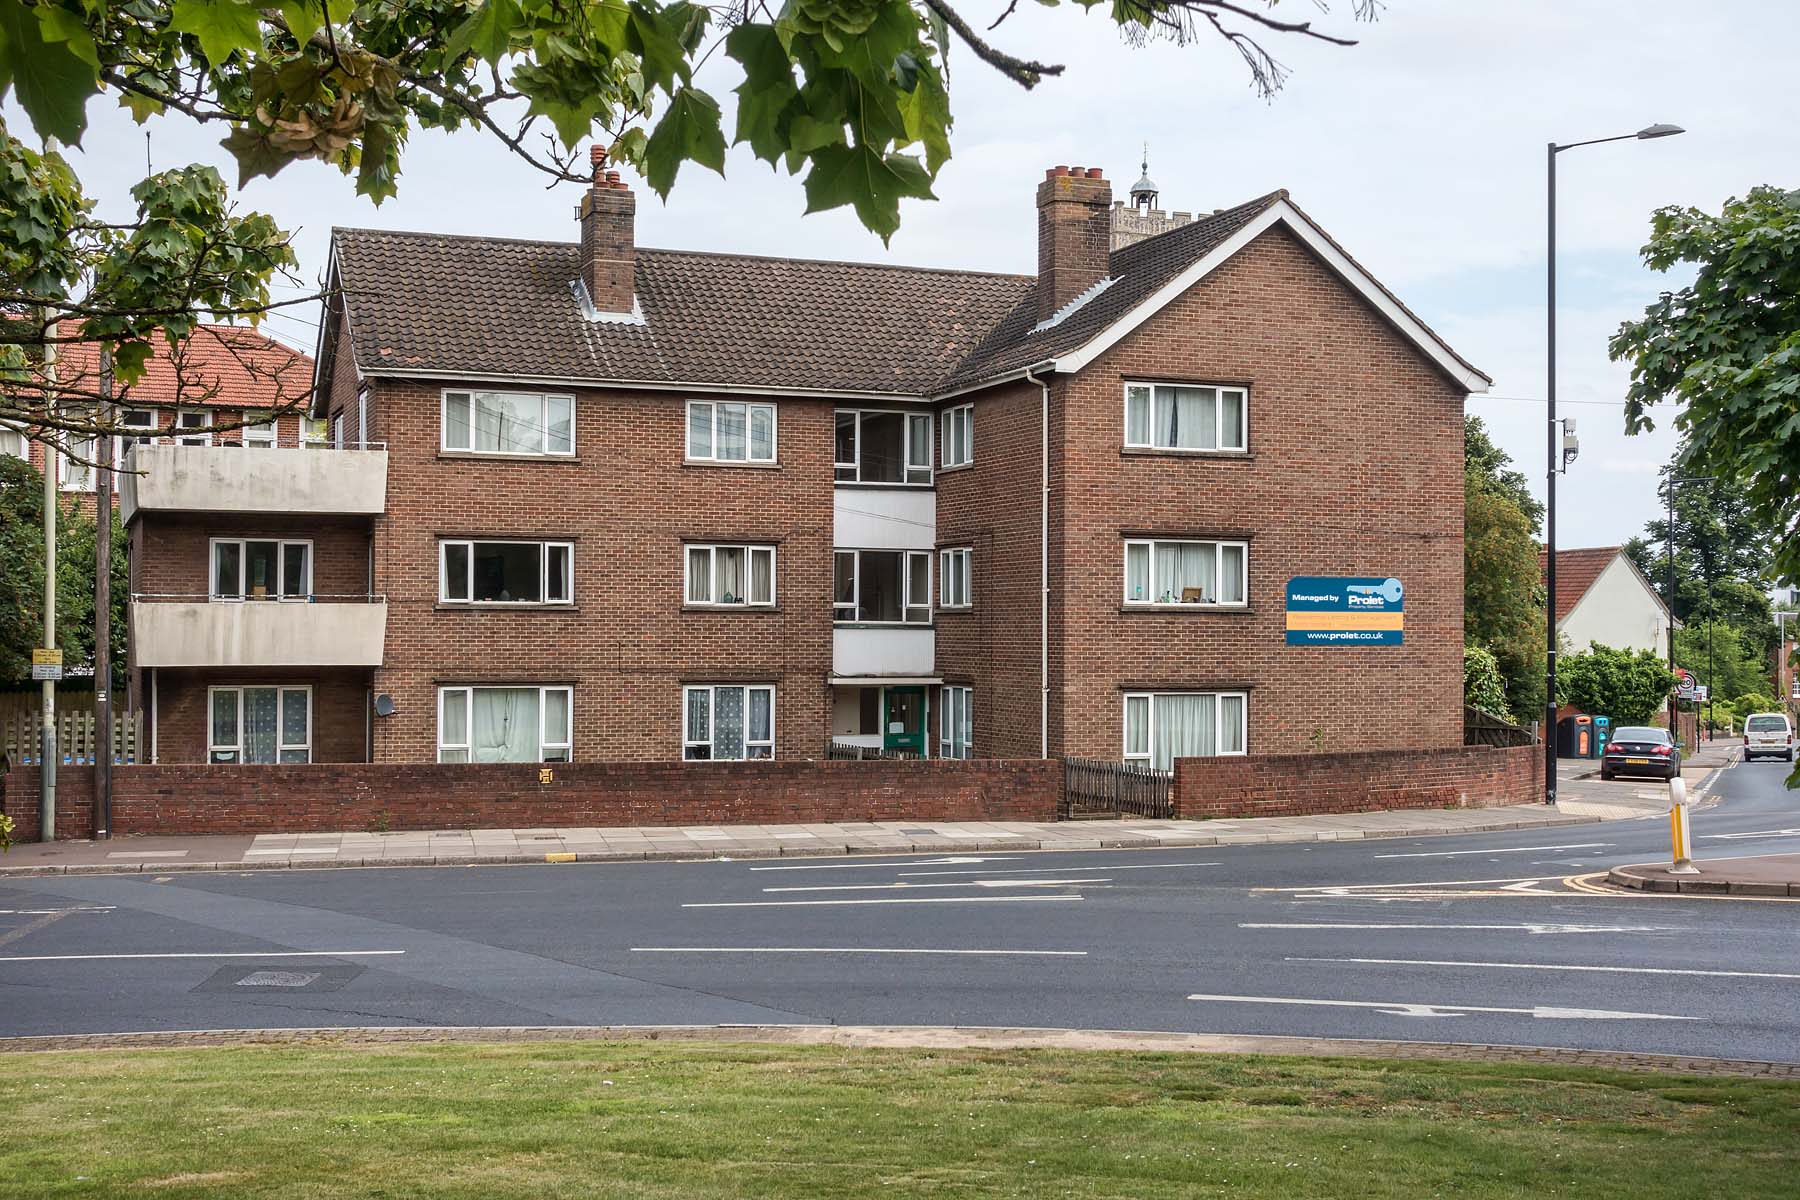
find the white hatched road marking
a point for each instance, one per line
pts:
(1403, 1008)
(907, 900)
(848, 950)
(1732, 837)
(1526, 927)
(201, 954)
(980, 883)
(1512, 850)
(1579, 967)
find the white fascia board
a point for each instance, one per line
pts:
(1035, 369)
(729, 389)
(1286, 214)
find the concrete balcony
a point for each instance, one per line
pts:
(883, 652)
(317, 481)
(884, 518)
(194, 632)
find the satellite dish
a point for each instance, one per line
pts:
(384, 705)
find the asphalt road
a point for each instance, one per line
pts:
(1471, 939)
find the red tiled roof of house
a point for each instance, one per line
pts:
(1576, 571)
(228, 366)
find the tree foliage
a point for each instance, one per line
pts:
(1482, 686)
(1722, 658)
(1503, 598)
(852, 95)
(1628, 686)
(22, 576)
(1726, 350)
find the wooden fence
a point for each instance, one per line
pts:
(1482, 728)
(847, 751)
(77, 738)
(1095, 788)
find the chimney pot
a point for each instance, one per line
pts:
(1060, 171)
(1094, 173)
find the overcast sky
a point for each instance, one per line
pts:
(1421, 149)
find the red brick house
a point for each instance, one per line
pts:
(594, 501)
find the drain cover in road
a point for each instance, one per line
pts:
(248, 978)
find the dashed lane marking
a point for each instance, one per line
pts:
(1583, 968)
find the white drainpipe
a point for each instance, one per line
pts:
(1043, 568)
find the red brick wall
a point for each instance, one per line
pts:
(1354, 468)
(627, 500)
(340, 710)
(1305, 784)
(74, 802)
(172, 555)
(992, 506)
(207, 800)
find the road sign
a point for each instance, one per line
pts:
(46, 671)
(41, 657)
(1685, 684)
(1702, 693)
(1345, 611)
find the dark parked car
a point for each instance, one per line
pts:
(1641, 750)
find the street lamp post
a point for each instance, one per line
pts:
(1556, 460)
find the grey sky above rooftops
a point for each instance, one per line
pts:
(1420, 151)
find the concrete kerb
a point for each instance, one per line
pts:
(915, 1037)
(1639, 877)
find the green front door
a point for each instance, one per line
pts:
(903, 720)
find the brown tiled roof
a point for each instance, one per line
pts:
(1576, 571)
(1139, 271)
(498, 307)
(228, 366)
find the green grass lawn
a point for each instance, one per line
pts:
(720, 1120)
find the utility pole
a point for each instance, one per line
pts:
(103, 491)
(47, 741)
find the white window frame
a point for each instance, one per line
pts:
(565, 748)
(23, 453)
(73, 476)
(712, 454)
(315, 433)
(956, 566)
(200, 419)
(907, 464)
(263, 436)
(1148, 755)
(712, 706)
(468, 598)
(282, 745)
(543, 426)
(959, 436)
(956, 722)
(711, 550)
(281, 552)
(1219, 548)
(910, 561)
(1218, 446)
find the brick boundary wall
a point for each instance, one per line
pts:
(1293, 785)
(202, 799)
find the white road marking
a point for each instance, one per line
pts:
(1732, 837)
(847, 950)
(47, 912)
(908, 900)
(983, 883)
(1513, 850)
(1527, 927)
(1510, 966)
(917, 862)
(1407, 1009)
(1029, 870)
(202, 954)
(146, 854)
(1342, 887)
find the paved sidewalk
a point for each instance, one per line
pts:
(465, 846)
(1763, 875)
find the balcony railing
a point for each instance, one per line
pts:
(315, 480)
(311, 631)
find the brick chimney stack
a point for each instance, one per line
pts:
(1074, 234)
(608, 239)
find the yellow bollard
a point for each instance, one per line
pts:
(1680, 861)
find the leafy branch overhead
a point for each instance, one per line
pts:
(852, 96)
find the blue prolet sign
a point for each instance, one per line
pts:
(1329, 610)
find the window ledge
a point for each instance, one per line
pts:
(442, 607)
(500, 456)
(731, 609)
(968, 466)
(728, 463)
(881, 625)
(1152, 452)
(861, 485)
(951, 610)
(1227, 610)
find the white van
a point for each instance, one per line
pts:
(1768, 734)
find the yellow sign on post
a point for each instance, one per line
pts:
(46, 658)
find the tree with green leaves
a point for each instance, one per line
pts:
(1503, 598)
(1482, 686)
(1725, 350)
(853, 96)
(1629, 686)
(1722, 658)
(22, 576)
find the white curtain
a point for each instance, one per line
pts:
(699, 729)
(1231, 419)
(1186, 727)
(1137, 572)
(728, 562)
(1137, 726)
(761, 727)
(261, 715)
(1182, 565)
(1137, 416)
(728, 723)
(1231, 722)
(454, 731)
(762, 433)
(1187, 418)
(1231, 575)
(506, 725)
(733, 434)
(762, 576)
(700, 431)
(556, 718)
(699, 575)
